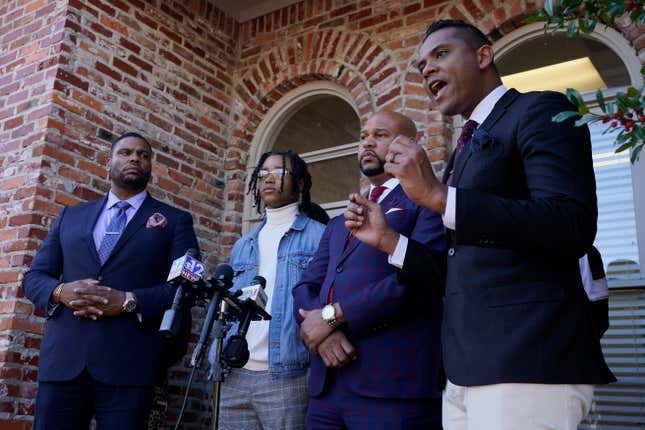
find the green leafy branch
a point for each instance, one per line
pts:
(625, 113)
(583, 15)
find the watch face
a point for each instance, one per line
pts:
(328, 312)
(130, 306)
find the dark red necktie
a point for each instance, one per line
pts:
(464, 138)
(377, 192)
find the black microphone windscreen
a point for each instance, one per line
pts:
(224, 272)
(259, 280)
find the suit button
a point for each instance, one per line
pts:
(451, 252)
(99, 278)
(339, 269)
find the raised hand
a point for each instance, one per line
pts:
(408, 162)
(367, 222)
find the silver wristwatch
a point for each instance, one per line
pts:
(130, 303)
(329, 315)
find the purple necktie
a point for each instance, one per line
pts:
(114, 230)
(464, 138)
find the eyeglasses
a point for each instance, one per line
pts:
(277, 172)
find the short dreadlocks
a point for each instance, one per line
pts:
(300, 175)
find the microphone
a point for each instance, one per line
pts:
(184, 269)
(222, 280)
(255, 292)
(253, 301)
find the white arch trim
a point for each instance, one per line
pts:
(275, 120)
(603, 34)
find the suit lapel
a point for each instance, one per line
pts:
(390, 201)
(448, 169)
(498, 111)
(146, 209)
(94, 210)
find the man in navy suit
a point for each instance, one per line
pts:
(519, 204)
(374, 333)
(100, 277)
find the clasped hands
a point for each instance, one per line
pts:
(88, 299)
(320, 338)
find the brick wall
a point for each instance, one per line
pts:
(75, 73)
(31, 35)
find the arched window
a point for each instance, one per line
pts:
(528, 59)
(320, 122)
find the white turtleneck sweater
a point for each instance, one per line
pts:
(278, 223)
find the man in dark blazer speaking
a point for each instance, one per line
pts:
(519, 204)
(375, 334)
(100, 277)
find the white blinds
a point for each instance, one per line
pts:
(616, 237)
(621, 406)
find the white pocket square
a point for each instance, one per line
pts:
(389, 211)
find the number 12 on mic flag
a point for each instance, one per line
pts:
(186, 267)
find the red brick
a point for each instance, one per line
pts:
(101, 29)
(141, 63)
(170, 57)
(126, 43)
(87, 100)
(108, 71)
(124, 67)
(146, 20)
(114, 25)
(13, 123)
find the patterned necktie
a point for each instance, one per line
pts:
(464, 138)
(113, 232)
(377, 192)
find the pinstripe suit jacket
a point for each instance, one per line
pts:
(393, 322)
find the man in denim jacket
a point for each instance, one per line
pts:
(270, 392)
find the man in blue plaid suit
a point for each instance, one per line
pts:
(374, 334)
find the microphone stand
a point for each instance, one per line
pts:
(219, 369)
(198, 353)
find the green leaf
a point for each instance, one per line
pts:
(586, 119)
(574, 97)
(548, 7)
(600, 98)
(632, 92)
(536, 18)
(623, 137)
(643, 70)
(563, 116)
(624, 147)
(571, 28)
(592, 25)
(583, 110)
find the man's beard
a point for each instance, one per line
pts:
(373, 171)
(130, 182)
